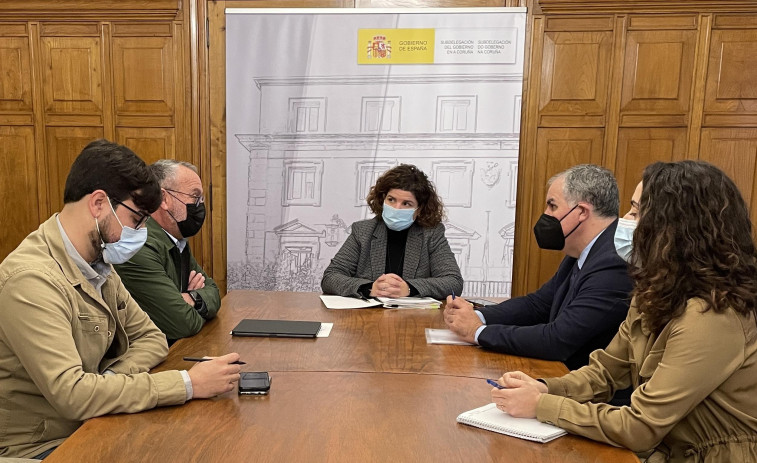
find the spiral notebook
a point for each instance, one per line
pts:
(491, 418)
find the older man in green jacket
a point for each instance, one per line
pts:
(164, 277)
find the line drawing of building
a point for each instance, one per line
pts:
(319, 128)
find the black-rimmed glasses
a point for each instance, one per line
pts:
(142, 216)
(198, 199)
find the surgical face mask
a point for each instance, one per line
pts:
(548, 231)
(397, 219)
(130, 243)
(624, 238)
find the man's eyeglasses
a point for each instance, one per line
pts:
(142, 216)
(198, 199)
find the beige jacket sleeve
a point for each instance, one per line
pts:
(687, 372)
(147, 344)
(608, 371)
(38, 329)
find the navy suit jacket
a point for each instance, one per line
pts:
(563, 322)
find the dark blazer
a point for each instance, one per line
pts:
(559, 322)
(429, 263)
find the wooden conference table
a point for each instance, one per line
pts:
(372, 391)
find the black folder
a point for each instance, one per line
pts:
(276, 328)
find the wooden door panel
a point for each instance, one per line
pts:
(15, 75)
(658, 76)
(575, 72)
(63, 146)
(143, 70)
(18, 189)
(556, 150)
(150, 144)
(72, 76)
(638, 148)
(731, 88)
(734, 151)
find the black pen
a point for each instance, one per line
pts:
(204, 359)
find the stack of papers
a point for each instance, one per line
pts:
(410, 302)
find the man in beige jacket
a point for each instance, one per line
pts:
(73, 343)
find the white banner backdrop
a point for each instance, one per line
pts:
(321, 102)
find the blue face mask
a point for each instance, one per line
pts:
(624, 238)
(397, 219)
(130, 243)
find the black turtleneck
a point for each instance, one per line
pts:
(395, 251)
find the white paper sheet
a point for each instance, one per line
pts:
(325, 330)
(340, 302)
(437, 336)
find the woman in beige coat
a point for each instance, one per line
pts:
(689, 343)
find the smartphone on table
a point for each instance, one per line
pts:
(254, 383)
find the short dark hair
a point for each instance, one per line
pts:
(115, 169)
(407, 177)
(693, 240)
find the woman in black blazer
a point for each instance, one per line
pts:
(400, 252)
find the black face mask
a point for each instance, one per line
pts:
(548, 231)
(195, 218)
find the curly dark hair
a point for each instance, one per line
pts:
(693, 240)
(409, 178)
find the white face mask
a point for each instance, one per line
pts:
(624, 238)
(130, 243)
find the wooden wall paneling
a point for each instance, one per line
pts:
(527, 195)
(696, 110)
(735, 151)
(15, 75)
(731, 90)
(658, 76)
(72, 79)
(43, 171)
(556, 150)
(143, 84)
(81, 8)
(109, 106)
(638, 148)
(150, 143)
(63, 145)
(612, 124)
(18, 190)
(196, 48)
(216, 59)
(574, 78)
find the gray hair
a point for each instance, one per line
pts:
(592, 184)
(165, 170)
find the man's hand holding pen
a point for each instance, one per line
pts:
(460, 318)
(215, 376)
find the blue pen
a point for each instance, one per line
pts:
(496, 384)
(453, 295)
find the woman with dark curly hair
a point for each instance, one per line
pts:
(689, 343)
(400, 252)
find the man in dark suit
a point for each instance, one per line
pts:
(581, 307)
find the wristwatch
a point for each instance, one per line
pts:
(200, 305)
